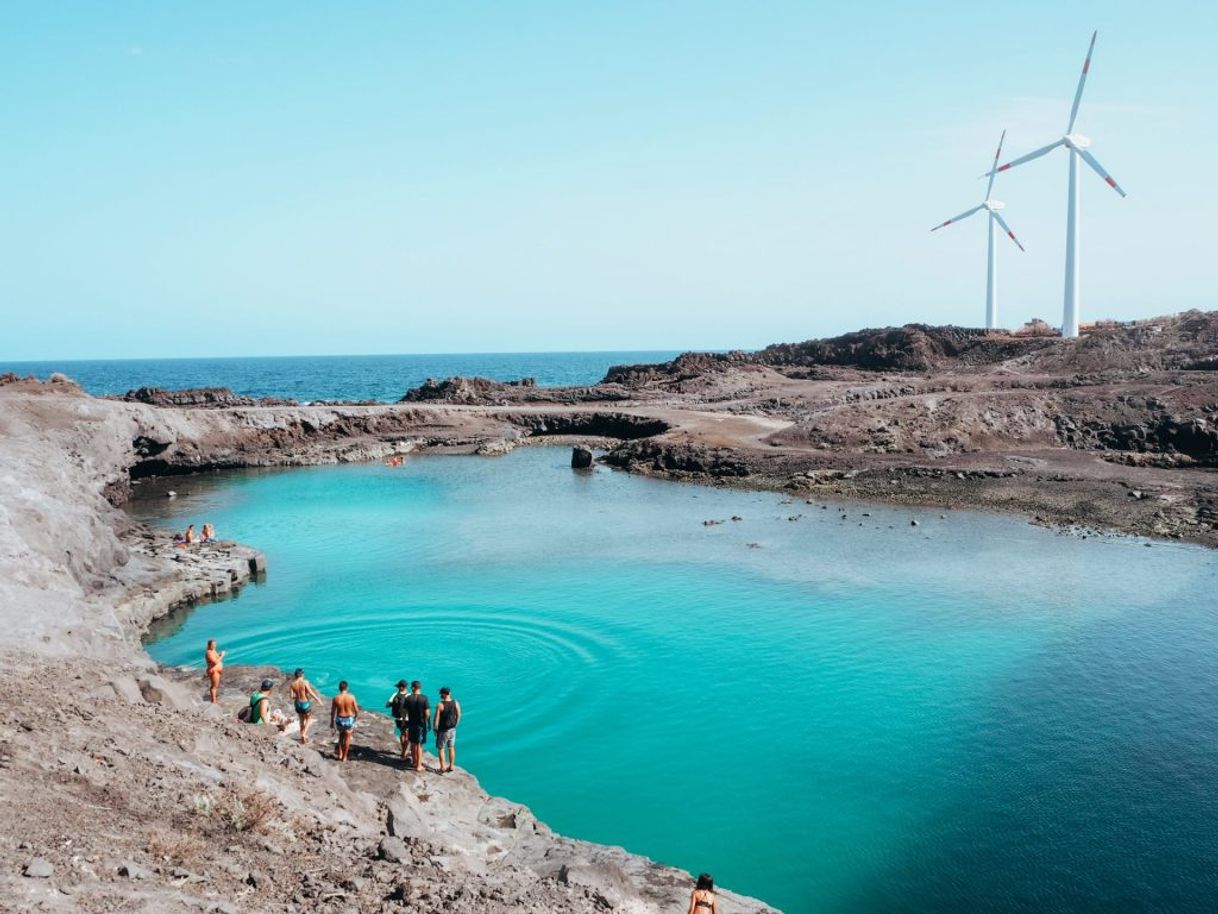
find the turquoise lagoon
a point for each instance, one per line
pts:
(835, 714)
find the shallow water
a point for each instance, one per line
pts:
(971, 714)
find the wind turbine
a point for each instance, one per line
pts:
(991, 207)
(1077, 144)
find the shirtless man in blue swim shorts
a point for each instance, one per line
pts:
(344, 712)
(303, 696)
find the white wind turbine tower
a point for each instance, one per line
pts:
(1077, 144)
(991, 207)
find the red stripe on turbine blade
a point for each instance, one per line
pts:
(1004, 167)
(1111, 183)
(1086, 65)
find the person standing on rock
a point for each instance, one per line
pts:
(448, 715)
(344, 712)
(401, 718)
(190, 534)
(418, 718)
(215, 666)
(303, 696)
(702, 899)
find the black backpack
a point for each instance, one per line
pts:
(397, 705)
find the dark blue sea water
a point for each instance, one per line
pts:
(334, 377)
(848, 716)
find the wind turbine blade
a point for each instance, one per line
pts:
(1006, 228)
(1099, 170)
(1036, 154)
(1078, 93)
(994, 167)
(956, 218)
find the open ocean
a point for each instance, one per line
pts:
(333, 377)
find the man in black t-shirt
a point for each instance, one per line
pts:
(397, 707)
(418, 715)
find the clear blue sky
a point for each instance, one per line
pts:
(274, 178)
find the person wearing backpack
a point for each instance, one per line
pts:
(259, 709)
(448, 715)
(401, 719)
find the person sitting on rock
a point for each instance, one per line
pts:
(702, 898)
(260, 704)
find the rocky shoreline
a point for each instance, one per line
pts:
(124, 790)
(131, 793)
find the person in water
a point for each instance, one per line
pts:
(344, 712)
(397, 707)
(448, 715)
(418, 717)
(260, 704)
(303, 696)
(702, 898)
(215, 666)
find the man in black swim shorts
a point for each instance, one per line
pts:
(418, 715)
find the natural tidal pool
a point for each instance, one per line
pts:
(970, 714)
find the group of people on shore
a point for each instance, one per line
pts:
(413, 715)
(188, 537)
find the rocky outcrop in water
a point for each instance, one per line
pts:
(467, 390)
(684, 367)
(648, 456)
(198, 398)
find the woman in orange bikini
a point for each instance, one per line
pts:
(215, 665)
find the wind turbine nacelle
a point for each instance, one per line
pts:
(993, 205)
(1077, 140)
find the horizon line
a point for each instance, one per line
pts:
(356, 355)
